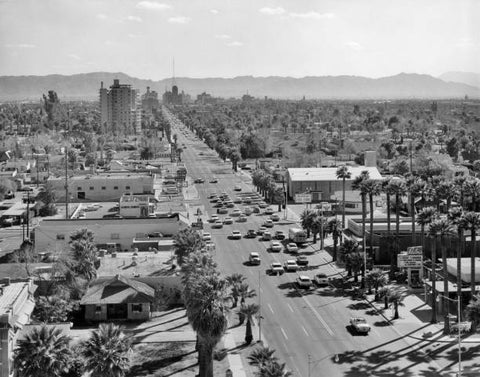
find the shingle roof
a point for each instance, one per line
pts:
(330, 174)
(118, 290)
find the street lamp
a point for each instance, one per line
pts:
(459, 331)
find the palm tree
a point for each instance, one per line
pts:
(44, 352)
(343, 174)
(396, 298)
(273, 369)
(245, 292)
(473, 312)
(306, 220)
(372, 188)
(248, 311)
(459, 182)
(472, 223)
(472, 189)
(348, 247)
(260, 356)
(384, 293)
(234, 281)
(397, 186)
(444, 191)
(377, 279)
(415, 187)
(388, 192)
(186, 242)
(456, 216)
(424, 218)
(334, 227)
(106, 352)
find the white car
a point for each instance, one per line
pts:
(228, 220)
(254, 258)
(236, 235)
(291, 265)
(236, 212)
(304, 281)
(321, 279)
(207, 237)
(275, 246)
(275, 217)
(268, 223)
(266, 236)
(292, 248)
(268, 211)
(214, 218)
(217, 224)
(360, 325)
(242, 218)
(276, 269)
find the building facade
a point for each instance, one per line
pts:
(120, 108)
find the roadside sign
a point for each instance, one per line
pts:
(405, 260)
(303, 198)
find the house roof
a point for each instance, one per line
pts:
(118, 290)
(330, 174)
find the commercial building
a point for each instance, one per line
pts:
(104, 187)
(150, 101)
(16, 306)
(136, 206)
(120, 108)
(322, 183)
(54, 235)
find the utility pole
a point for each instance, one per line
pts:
(259, 310)
(66, 184)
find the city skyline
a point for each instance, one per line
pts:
(237, 38)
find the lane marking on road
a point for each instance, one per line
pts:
(269, 306)
(283, 332)
(291, 309)
(305, 331)
(319, 317)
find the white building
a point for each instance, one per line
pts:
(136, 206)
(104, 187)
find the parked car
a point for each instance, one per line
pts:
(276, 269)
(222, 210)
(251, 233)
(247, 200)
(242, 218)
(238, 200)
(199, 180)
(256, 209)
(217, 224)
(248, 211)
(254, 258)
(261, 230)
(227, 221)
(263, 205)
(213, 180)
(213, 218)
(236, 235)
(229, 204)
(321, 279)
(280, 235)
(207, 236)
(275, 217)
(292, 248)
(302, 260)
(304, 281)
(275, 246)
(290, 265)
(236, 212)
(266, 236)
(268, 223)
(360, 325)
(237, 188)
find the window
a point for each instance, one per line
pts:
(115, 187)
(104, 188)
(91, 188)
(79, 189)
(98, 308)
(127, 187)
(115, 236)
(137, 308)
(60, 236)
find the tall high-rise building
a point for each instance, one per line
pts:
(120, 108)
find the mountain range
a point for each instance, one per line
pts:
(401, 86)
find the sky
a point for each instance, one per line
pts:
(228, 38)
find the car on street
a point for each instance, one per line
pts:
(261, 230)
(256, 209)
(292, 248)
(217, 224)
(236, 235)
(291, 265)
(229, 204)
(238, 200)
(263, 205)
(237, 188)
(248, 210)
(269, 211)
(213, 180)
(254, 258)
(274, 217)
(321, 279)
(228, 220)
(242, 218)
(213, 218)
(360, 325)
(268, 223)
(276, 269)
(251, 233)
(222, 210)
(280, 235)
(207, 236)
(199, 180)
(266, 236)
(304, 281)
(275, 246)
(236, 212)
(302, 260)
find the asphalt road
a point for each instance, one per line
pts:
(307, 328)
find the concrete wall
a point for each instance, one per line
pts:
(54, 235)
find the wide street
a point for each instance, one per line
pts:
(307, 328)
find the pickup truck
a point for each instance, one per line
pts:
(360, 325)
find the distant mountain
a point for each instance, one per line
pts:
(469, 78)
(85, 86)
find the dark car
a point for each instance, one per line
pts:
(302, 260)
(199, 180)
(251, 233)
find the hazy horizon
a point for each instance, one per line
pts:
(226, 39)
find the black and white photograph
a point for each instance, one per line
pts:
(240, 188)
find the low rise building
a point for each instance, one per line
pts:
(136, 206)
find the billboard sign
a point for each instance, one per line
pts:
(303, 198)
(406, 260)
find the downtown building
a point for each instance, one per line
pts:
(120, 108)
